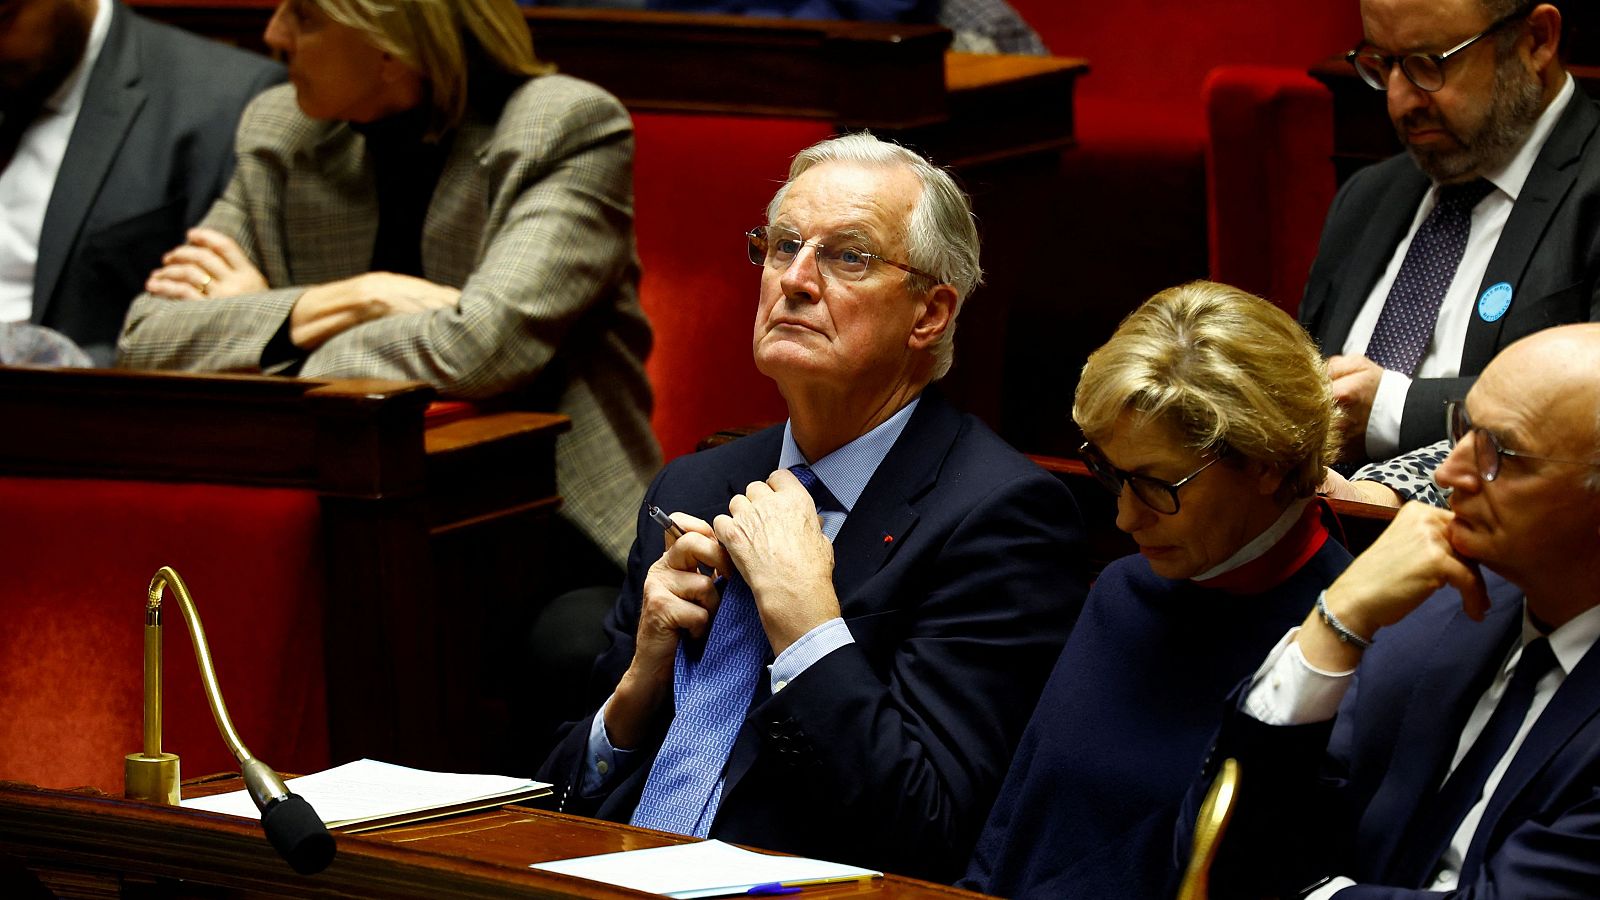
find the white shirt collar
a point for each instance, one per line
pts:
(1514, 174)
(69, 96)
(1570, 642)
(1262, 542)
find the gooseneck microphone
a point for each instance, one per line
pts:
(292, 826)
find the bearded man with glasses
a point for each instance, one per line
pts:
(1485, 231)
(1468, 762)
(854, 612)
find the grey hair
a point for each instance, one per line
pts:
(941, 235)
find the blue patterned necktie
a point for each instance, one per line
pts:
(711, 696)
(1405, 327)
(1439, 817)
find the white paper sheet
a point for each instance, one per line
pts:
(367, 789)
(702, 869)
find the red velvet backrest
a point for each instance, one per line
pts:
(700, 182)
(1269, 174)
(1149, 57)
(79, 555)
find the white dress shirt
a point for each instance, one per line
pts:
(26, 184)
(1287, 690)
(1442, 359)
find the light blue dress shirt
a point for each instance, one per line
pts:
(845, 472)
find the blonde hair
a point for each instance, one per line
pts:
(446, 41)
(1226, 370)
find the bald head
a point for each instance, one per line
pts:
(1551, 375)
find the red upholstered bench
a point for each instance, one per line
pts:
(79, 555)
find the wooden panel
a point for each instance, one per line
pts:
(102, 841)
(227, 429)
(854, 73)
(960, 108)
(410, 508)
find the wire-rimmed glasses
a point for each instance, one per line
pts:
(777, 247)
(1487, 451)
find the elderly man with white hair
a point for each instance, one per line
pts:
(855, 611)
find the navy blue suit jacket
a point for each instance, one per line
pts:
(1549, 253)
(959, 575)
(1392, 743)
(152, 148)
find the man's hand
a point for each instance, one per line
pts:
(329, 309)
(774, 536)
(210, 265)
(1403, 567)
(1355, 387)
(677, 601)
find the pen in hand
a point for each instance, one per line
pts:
(665, 521)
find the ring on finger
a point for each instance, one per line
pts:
(205, 286)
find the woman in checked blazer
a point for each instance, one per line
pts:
(426, 200)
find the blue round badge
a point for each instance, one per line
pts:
(1495, 301)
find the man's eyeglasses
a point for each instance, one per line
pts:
(1161, 496)
(777, 247)
(1487, 450)
(1425, 70)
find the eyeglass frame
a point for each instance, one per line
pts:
(1115, 480)
(1391, 60)
(759, 233)
(1455, 410)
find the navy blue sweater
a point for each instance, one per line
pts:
(1089, 806)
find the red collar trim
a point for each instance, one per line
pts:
(1281, 560)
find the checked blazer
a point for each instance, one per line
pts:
(532, 219)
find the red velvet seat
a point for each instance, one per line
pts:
(1147, 97)
(79, 555)
(699, 183)
(1270, 177)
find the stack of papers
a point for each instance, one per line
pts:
(372, 794)
(705, 869)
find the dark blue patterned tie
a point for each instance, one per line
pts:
(710, 698)
(1405, 327)
(1438, 818)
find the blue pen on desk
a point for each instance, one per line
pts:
(772, 888)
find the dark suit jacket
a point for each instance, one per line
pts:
(958, 572)
(1549, 253)
(152, 147)
(1391, 743)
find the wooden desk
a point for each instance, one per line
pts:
(426, 522)
(1362, 132)
(86, 845)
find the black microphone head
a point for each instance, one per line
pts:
(297, 832)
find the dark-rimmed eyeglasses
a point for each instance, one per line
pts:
(1161, 496)
(777, 247)
(1424, 70)
(1487, 451)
